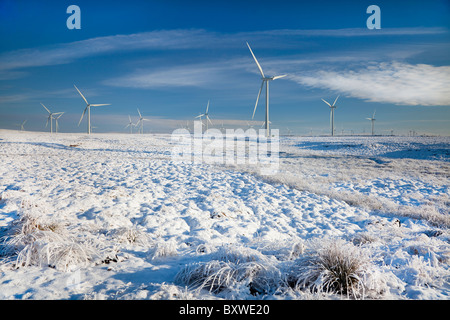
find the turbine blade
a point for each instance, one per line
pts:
(257, 99)
(82, 115)
(81, 94)
(207, 107)
(335, 101)
(257, 63)
(99, 105)
(209, 119)
(47, 121)
(129, 118)
(326, 103)
(139, 113)
(374, 114)
(45, 108)
(278, 77)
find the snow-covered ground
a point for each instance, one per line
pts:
(112, 216)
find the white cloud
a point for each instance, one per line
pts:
(178, 39)
(212, 73)
(69, 52)
(394, 82)
(171, 77)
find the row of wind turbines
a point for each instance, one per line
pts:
(333, 107)
(265, 82)
(56, 115)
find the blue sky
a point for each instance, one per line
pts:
(168, 58)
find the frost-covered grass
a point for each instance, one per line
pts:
(113, 217)
(405, 176)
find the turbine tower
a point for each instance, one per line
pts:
(88, 108)
(50, 117)
(332, 107)
(265, 80)
(372, 120)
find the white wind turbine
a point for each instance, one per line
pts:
(130, 124)
(332, 107)
(265, 80)
(56, 121)
(50, 117)
(372, 120)
(206, 115)
(141, 122)
(88, 108)
(22, 125)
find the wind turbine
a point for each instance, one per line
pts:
(130, 124)
(332, 107)
(56, 121)
(265, 80)
(206, 116)
(88, 108)
(264, 123)
(22, 125)
(50, 117)
(372, 120)
(141, 121)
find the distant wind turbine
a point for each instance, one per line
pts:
(22, 125)
(264, 123)
(56, 121)
(50, 117)
(130, 124)
(265, 80)
(332, 107)
(141, 122)
(372, 120)
(206, 115)
(88, 108)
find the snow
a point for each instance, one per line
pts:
(113, 216)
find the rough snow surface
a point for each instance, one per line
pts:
(113, 217)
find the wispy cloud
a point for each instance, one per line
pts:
(175, 40)
(209, 73)
(387, 82)
(184, 76)
(68, 52)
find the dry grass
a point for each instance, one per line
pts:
(332, 267)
